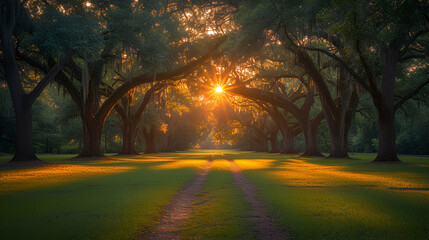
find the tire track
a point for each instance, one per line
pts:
(179, 209)
(264, 226)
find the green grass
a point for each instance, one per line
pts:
(219, 212)
(95, 206)
(44, 157)
(317, 198)
(314, 198)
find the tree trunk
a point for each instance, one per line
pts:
(170, 143)
(384, 105)
(91, 139)
(274, 144)
(149, 138)
(21, 101)
(310, 136)
(285, 130)
(288, 143)
(24, 144)
(129, 139)
(386, 138)
(338, 145)
(338, 135)
(163, 141)
(264, 145)
(273, 140)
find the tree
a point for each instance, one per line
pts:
(130, 118)
(10, 10)
(289, 131)
(302, 114)
(156, 60)
(394, 32)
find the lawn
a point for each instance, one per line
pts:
(313, 198)
(317, 198)
(107, 199)
(220, 212)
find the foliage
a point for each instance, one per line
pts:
(58, 35)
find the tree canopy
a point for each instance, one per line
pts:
(134, 76)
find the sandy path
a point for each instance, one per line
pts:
(179, 209)
(264, 226)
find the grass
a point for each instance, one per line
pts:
(75, 203)
(220, 210)
(317, 198)
(314, 198)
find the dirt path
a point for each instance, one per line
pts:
(179, 208)
(264, 226)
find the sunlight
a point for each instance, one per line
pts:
(252, 164)
(303, 174)
(219, 89)
(210, 31)
(55, 174)
(196, 163)
(220, 164)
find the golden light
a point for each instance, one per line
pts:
(88, 4)
(210, 31)
(49, 175)
(219, 89)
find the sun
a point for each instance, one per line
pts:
(219, 89)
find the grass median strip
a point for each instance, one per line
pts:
(220, 211)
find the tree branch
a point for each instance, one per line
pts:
(413, 56)
(257, 94)
(33, 95)
(410, 95)
(143, 78)
(336, 58)
(411, 40)
(137, 114)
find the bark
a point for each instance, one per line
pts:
(166, 142)
(339, 138)
(24, 144)
(386, 138)
(274, 144)
(285, 130)
(385, 107)
(149, 138)
(273, 131)
(288, 143)
(129, 134)
(338, 148)
(91, 139)
(170, 143)
(310, 135)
